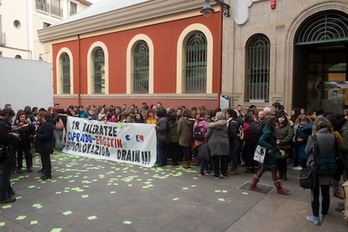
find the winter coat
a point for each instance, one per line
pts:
(302, 132)
(284, 133)
(203, 124)
(173, 132)
(44, 135)
(25, 133)
(326, 143)
(344, 146)
(233, 129)
(268, 140)
(162, 129)
(5, 137)
(185, 129)
(217, 137)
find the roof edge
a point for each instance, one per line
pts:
(119, 17)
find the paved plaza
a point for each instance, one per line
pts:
(98, 195)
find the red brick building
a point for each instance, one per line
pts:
(137, 51)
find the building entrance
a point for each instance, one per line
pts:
(321, 57)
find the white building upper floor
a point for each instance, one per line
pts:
(20, 20)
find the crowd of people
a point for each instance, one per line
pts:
(219, 141)
(18, 133)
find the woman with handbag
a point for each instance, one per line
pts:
(268, 140)
(284, 134)
(44, 144)
(326, 144)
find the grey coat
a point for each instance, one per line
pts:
(326, 143)
(217, 137)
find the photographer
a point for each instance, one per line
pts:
(6, 138)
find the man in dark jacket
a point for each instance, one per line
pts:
(233, 125)
(6, 138)
(344, 146)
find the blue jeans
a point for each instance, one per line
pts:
(204, 163)
(325, 203)
(58, 134)
(5, 172)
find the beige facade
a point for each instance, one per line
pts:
(20, 20)
(280, 26)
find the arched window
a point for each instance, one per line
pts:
(258, 68)
(99, 71)
(141, 68)
(325, 27)
(65, 73)
(196, 63)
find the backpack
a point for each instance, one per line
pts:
(240, 131)
(326, 163)
(302, 134)
(254, 132)
(197, 134)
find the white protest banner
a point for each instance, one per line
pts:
(133, 143)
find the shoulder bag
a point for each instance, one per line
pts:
(260, 153)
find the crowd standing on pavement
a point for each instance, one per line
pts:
(220, 142)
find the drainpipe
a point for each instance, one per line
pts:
(219, 65)
(30, 30)
(79, 69)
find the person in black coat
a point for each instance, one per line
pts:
(44, 144)
(26, 130)
(6, 139)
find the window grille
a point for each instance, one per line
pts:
(99, 72)
(141, 68)
(328, 26)
(66, 74)
(196, 64)
(258, 69)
